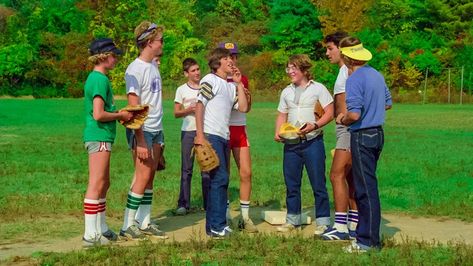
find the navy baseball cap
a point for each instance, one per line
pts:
(103, 45)
(231, 46)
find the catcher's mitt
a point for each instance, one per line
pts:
(140, 113)
(206, 157)
(318, 110)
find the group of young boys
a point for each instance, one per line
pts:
(214, 109)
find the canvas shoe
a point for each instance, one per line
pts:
(97, 241)
(181, 211)
(153, 230)
(354, 248)
(247, 225)
(287, 227)
(225, 233)
(132, 233)
(110, 235)
(334, 234)
(320, 229)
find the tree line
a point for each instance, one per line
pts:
(43, 43)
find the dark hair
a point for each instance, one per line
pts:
(336, 37)
(187, 63)
(348, 42)
(302, 62)
(215, 56)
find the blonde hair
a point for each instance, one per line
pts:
(98, 58)
(142, 28)
(301, 62)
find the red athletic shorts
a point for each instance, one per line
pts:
(238, 137)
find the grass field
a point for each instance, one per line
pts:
(426, 169)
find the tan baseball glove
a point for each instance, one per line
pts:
(140, 113)
(206, 157)
(318, 110)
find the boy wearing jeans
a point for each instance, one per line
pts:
(184, 106)
(367, 99)
(215, 101)
(296, 106)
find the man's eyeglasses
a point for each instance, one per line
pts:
(291, 68)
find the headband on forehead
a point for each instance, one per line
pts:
(146, 33)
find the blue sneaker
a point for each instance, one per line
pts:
(334, 234)
(352, 234)
(226, 232)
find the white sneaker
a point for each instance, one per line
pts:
(354, 248)
(97, 241)
(287, 227)
(320, 229)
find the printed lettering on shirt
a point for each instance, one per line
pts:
(156, 85)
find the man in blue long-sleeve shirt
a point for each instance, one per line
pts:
(367, 98)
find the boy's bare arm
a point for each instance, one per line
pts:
(199, 124)
(180, 111)
(242, 99)
(101, 115)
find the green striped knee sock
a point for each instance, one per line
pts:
(143, 215)
(132, 204)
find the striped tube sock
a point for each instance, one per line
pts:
(245, 209)
(229, 217)
(90, 214)
(132, 204)
(143, 214)
(352, 219)
(341, 222)
(101, 223)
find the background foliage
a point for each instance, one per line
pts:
(43, 43)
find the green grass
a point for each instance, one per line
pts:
(260, 250)
(426, 168)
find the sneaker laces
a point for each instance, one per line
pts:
(135, 230)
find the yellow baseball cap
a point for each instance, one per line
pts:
(357, 52)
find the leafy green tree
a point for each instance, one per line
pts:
(294, 26)
(348, 15)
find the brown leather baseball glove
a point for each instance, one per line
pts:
(206, 157)
(140, 113)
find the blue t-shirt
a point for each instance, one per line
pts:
(368, 95)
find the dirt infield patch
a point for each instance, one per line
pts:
(192, 226)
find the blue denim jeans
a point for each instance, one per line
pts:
(310, 154)
(366, 147)
(187, 166)
(219, 177)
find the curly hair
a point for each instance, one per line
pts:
(98, 58)
(144, 27)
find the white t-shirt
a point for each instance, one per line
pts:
(144, 80)
(187, 96)
(219, 98)
(342, 77)
(302, 112)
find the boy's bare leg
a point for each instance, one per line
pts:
(243, 160)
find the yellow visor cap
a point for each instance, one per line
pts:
(357, 52)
